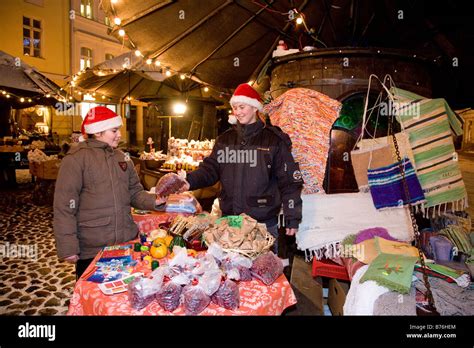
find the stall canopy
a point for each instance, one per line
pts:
(25, 85)
(226, 42)
(130, 76)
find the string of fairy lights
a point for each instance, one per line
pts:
(154, 62)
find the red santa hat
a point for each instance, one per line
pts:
(100, 119)
(244, 93)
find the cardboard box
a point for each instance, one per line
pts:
(45, 170)
(337, 296)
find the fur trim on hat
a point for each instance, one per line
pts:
(104, 125)
(246, 100)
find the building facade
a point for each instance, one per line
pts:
(59, 38)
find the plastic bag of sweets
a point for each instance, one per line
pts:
(267, 268)
(195, 299)
(227, 295)
(142, 291)
(168, 184)
(169, 296)
(237, 267)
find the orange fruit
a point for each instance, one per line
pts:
(158, 249)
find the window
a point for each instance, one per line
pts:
(109, 56)
(86, 58)
(86, 8)
(31, 37)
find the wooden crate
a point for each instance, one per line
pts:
(45, 170)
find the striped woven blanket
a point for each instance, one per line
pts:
(430, 124)
(386, 186)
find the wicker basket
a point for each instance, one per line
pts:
(252, 253)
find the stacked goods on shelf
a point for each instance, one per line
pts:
(187, 155)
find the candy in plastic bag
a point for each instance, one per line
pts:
(267, 268)
(168, 184)
(141, 292)
(168, 296)
(227, 295)
(195, 299)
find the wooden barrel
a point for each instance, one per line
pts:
(342, 72)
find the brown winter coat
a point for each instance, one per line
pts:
(95, 190)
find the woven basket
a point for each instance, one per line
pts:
(252, 253)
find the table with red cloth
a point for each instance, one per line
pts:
(256, 298)
(152, 220)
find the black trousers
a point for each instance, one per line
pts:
(81, 266)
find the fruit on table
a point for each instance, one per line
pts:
(168, 240)
(159, 249)
(147, 260)
(177, 240)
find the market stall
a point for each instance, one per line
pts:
(182, 154)
(203, 264)
(256, 298)
(406, 232)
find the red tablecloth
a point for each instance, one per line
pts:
(153, 220)
(255, 297)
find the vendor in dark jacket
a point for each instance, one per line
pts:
(254, 164)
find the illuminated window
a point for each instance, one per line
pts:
(86, 8)
(86, 58)
(32, 34)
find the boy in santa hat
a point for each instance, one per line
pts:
(95, 189)
(254, 164)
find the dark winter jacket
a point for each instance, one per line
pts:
(257, 172)
(95, 190)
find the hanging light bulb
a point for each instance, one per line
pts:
(103, 97)
(179, 108)
(3, 92)
(157, 63)
(29, 100)
(117, 21)
(138, 53)
(80, 93)
(70, 97)
(182, 76)
(48, 95)
(8, 95)
(149, 61)
(22, 100)
(121, 32)
(299, 20)
(206, 89)
(168, 73)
